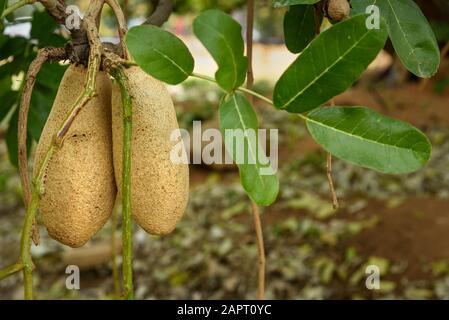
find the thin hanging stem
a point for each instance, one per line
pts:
(127, 264)
(255, 209)
(330, 181)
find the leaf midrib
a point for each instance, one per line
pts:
(247, 138)
(324, 72)
(359, 137)
(227, 46)
(412, 49)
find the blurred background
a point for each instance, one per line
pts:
(399, 223)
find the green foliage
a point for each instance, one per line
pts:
(410, 33)
(329, 65)
(160, 53)
(3, 4)
(299, 27)
(237, 114)
(43, 29)
(222, 36)
(368, 139)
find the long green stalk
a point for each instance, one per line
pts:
(127, 233)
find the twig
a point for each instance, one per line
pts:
(15, 6)
(25, 263)
(114, 252)
(122, 26)
(25, 245)
(161, 13)
(43, 55)
(335, 204)
(126, 9)
(260, 251)
(330, 181)
(249, 42)
(443, 54)
(8, 271)
(255, 209)
(127, 233)
(92, 70)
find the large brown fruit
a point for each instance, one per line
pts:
(79, 186)
(159, 188)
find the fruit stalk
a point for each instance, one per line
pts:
(127, 233)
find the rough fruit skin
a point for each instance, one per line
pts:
(79, 187)
(159, 188)
(338, 10)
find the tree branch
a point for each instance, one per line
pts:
(122, 25)
(162, 12)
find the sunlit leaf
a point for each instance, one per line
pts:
(258, 179)
(368, 139)
(410, 32)
(329, 65)
(160, 53)
(222, 37)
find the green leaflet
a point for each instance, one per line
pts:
(329, 65)
(160, 53)
(299, 27)
(222, 37)
(238, 117)
(368, 139)
(410, 33)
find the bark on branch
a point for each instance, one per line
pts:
(161, 13)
